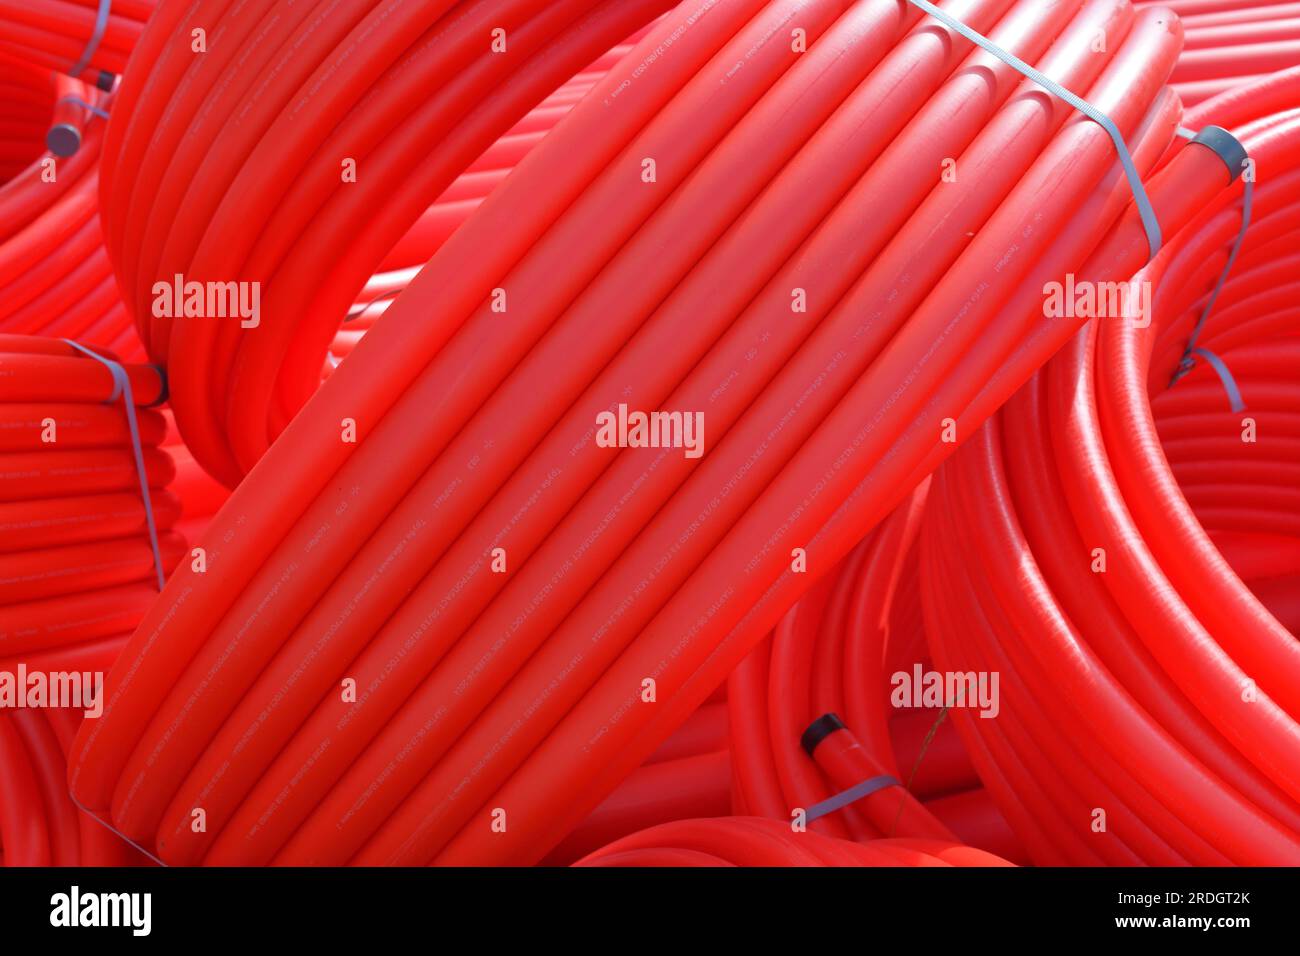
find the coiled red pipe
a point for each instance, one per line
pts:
(58, 279)
(1063, 549)
(1233, 42)
(452, 208)
(195, 185)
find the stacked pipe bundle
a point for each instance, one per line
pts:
(89, 40)
(1070, 547)
(78, 574)
(1229, 42)
(438, 603)
(77, 569)
(295, 152)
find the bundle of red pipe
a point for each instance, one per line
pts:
(58, 280)
(819, 662)
(438, 572)
(77, 573)
(1069, 547)
(57, 277)
(457, 203)
(449, 617)
(77, 569)
(306, 192)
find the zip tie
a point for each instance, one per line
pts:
(1235, 157)
(122, 389)
(1149, 221)
(842, 799)
(1225, 376)
(96, 35)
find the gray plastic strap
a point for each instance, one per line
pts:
(96, 36)
(1225, 376)
(122, 390)
(1187, 362)
(842, 799)
(1145, 210)
(1235, 157)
